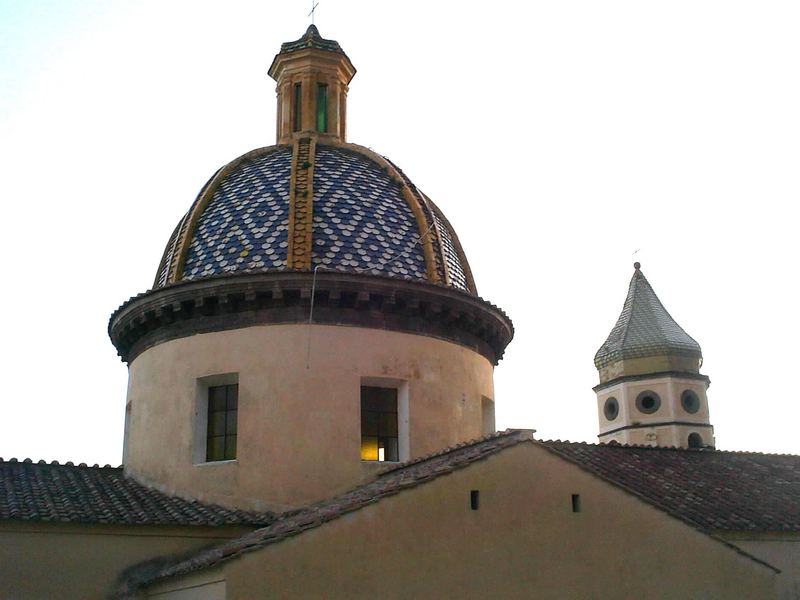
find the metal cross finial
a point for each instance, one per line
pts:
(314, 6)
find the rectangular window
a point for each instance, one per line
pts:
(297, 116)
(379, 439)
(322, 107)
(487, 415)
(223, 410)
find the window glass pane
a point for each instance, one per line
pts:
(216, 423)
(230, 447)
(232, 396)
(230, 422)
(387, 424)
(216, 398)
(369, 448)
(369, 423)
(391, 449)
(379, 399)
(215, 449)
(322, 107)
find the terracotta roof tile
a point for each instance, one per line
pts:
(388, 483)
(68, 494)
(710, 489)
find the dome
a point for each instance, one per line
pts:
(313, 230)
(303, 206)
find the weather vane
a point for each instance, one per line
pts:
(314, 6)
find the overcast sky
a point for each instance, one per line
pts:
(563, 140)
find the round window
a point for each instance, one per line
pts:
(648, 402)
(690, 401)
(611, 408)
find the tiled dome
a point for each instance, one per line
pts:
(363, 214)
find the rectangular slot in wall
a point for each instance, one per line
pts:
(576, 503)
(475, 499)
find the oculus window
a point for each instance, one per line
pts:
(223, 411)
(611, 409)
(379, 438)
(690, 401)
(648, 402)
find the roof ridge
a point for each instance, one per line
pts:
(461, 445)
(615, 444)
(55, 463)
(297, 521)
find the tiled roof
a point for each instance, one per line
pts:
(361, 222)
(312, 39)
(59, 493)
(390, 482)
(644, 328)
(709, 489)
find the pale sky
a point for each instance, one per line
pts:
(563, 140)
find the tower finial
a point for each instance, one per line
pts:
(637, 265)
(314, 6)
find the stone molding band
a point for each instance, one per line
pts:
(228, 302)
(652, 425)
(644, 376)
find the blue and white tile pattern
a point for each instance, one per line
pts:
(245, 225)
(361, 220)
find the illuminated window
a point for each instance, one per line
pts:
(223, 410)
(297, 121)
(379, 440)
(322, 107)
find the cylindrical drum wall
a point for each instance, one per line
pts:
(298, 416)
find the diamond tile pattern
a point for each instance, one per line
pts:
(361, 220)
(245, 225)
(644, 328)
(80, 494)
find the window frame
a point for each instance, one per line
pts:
(200, 429)
(403, 451)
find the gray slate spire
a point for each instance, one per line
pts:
(644, 328)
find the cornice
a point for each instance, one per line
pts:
(645, 376)
(235, 301)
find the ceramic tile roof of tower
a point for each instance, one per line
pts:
(712, 490)
(64, 493)
(644, 328)
(312, 39)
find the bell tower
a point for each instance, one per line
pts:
(651, 391)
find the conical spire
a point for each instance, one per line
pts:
(645, 328)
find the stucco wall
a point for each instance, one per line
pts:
(523, 542)
(779, 549)
(299, 428)
(81, 562)
(669, 390)
(205, 585)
